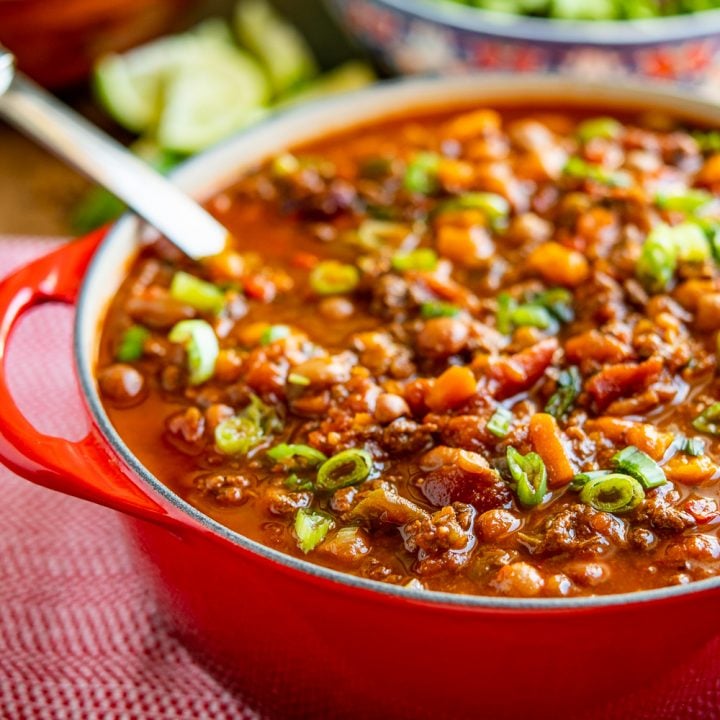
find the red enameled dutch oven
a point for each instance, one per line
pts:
(304, 641)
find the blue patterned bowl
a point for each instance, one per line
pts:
(414, 36)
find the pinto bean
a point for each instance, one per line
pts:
(519, 579)
(122, 384)
(325, 370)
(389, 407)
(442, 337)
(155, 308)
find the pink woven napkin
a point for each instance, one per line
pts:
(80, 636)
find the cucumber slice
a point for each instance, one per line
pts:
(204, 103)
(282, 50)
(191, 89)
(352, 75)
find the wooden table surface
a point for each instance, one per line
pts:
(38, 193)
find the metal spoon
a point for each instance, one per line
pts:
(38, 114)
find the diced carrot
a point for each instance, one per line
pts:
(227, 265)
(250, 334)
(465, 246)
(456, 385)
(472, 124)
(690, 470)
(521, 371)
(456, 174)
(591, 223)
(689, 293)
(621, 380)
(643, 436)
(546, 439)
(710, 172)
(559, 265)
(594, 345)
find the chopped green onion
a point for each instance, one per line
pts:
(242, 432)
(691, 243)
(287, 454)
(331, 277)
(530, 315)
(494, 207)
(639, 465)
(581, 479)
(708, 141)
(569, 386)
(297, 379)
(613, 493)
(503, 319)
(576, 167)
(600, 127)
(285, 164)
(311, 527)
(500, 421)
(273, 333)
(558, 301)
(658, 259)
(201, 347)
(373, 234)
(421, 175)
(419, 259)
(529, 475)
(348, 467)
(298, 484)
(429, 310)
(690, 446)
(132, 344)
(708, 421)
(197, 293)
(688, 201)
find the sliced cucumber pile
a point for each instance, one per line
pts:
(186, 92)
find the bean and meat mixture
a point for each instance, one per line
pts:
(473, 352)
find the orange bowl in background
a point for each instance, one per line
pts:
(56, 41)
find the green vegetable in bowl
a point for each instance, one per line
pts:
(593, 9)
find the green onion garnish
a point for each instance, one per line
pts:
(613, 493)
(297, 379)
(311, 527)
(690, 446)
(576, 167)
(494, 207)
(273, 333)
(639, 465)
(658, 259)
(708, 141)
(348, 467)
(421, 174)
(197, 293)
(569, 386)
(419, 259)
(242, 432)
(331, 277)
(691, 243)
(429, 310)
(558, 301)
(600, 127)
(529, 477)
(688, 201)
(708, 421)
(583, 478)
(506, 304)
(373, 234)
(531, 315)
(298, 484)
(288, 454)
(500, 422)
(285, 164)
(201, 347)
(132, 344)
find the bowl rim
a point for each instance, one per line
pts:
(86, 330)
(600, 33)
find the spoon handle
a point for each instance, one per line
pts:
(37, 113)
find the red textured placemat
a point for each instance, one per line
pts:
(80, 637)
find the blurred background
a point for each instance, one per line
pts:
(171, 77)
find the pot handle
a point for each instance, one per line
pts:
(87, 468)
